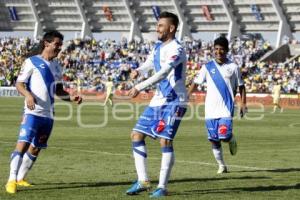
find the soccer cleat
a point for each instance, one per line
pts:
(138, 186)
(232, 146)
(23, 183)
(159, 192)
(222, 169)
(11, 187)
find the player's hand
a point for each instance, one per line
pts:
(133, 92)
(30, 102)
(243, 110)
(134, 74)
(76, 98)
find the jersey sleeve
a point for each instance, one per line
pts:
(176, 56)
(147, 65)
(173, 59)
(26, 72)
(201, 76)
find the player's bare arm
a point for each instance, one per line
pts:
(134, 74)
(30, 101)
(62, 94)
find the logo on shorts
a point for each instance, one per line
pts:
(161, 126)
(222, 129)
(23, 132)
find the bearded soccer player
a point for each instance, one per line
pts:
(223, 77)
(162, 117)
(38, 81)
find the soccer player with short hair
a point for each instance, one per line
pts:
(38, 81)
(162, 117)
(223, 77)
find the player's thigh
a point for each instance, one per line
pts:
(169, 122)
(212, 129)
(43, 133)
(28, 128)
(225, 129)
(146, 121)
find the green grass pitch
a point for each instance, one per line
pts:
(86, 162)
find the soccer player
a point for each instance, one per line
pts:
(37, 82)
(276, 96)
(223, 77)
(109, 91)
(162, 117)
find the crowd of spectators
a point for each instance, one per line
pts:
(87, 64)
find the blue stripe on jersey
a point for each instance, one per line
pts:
(46, 74)
(157, 57)
(178, 72)
(28, 84)
(221, 85)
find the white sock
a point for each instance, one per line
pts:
(218, 154)
(28, 161)
(140, 159)
(15, 163)
(167, 162)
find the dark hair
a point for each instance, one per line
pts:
(222, 41)
(49, 37)
(173, 18)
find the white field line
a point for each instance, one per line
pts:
(152, 158)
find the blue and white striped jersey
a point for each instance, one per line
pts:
(40, 75)
(222, 82)
(169, 62)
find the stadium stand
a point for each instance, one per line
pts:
(136, 18)
(87, 61)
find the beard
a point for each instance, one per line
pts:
(163, 37)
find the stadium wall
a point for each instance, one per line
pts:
(287, 100)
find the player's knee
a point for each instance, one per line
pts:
(34, 150)
(135, 136)
(22, 147)
(165, 143)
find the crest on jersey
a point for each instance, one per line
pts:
(42, 65)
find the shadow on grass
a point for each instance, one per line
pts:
(240, 189)
(74, 185)
(216, 179)
(284, 170)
